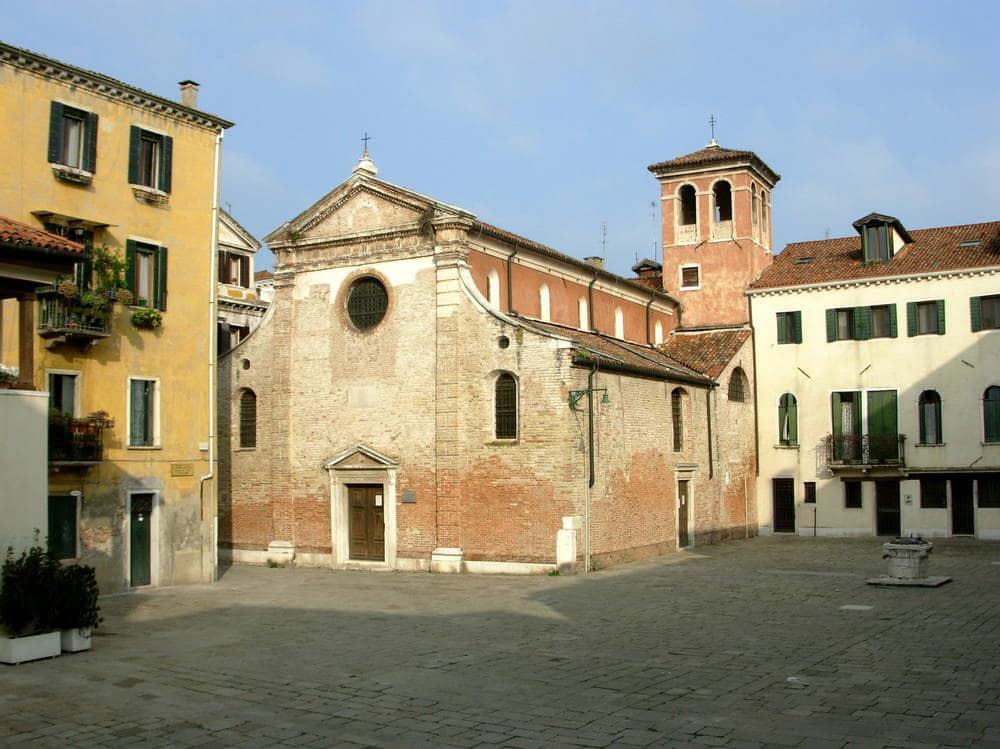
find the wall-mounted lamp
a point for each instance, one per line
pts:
(575, 396)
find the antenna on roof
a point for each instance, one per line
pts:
(229, 208)
(712, 123)
(826, 233)
(604, 239)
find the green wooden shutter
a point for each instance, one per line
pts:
(976, 313)
(831, 325)
(55, 133)
(940, 317)
(782, 327)
(130, 283)
(893, 326)
(160, 282)
(797, 327)
(862, 323)
(137, 413)
(991, 419)
(90, 144)
(911, 319)
(793, 420)
(166, 162)
(62, 526)
(134, 136)
(837, 422)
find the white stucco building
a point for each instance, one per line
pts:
(878, 383)
(240, 307)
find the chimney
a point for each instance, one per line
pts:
(597, 262)
(189, 94)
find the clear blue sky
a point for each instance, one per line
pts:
(542, 116)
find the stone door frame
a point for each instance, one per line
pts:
(360, 465)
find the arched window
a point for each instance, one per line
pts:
(991, 414)
(737, 385)
(689, 205)
(677, 416)
(929, 406)
(658, 333)
(753, 203)
(788, 420)
(722, 200)
(619, 323)
(248, 419)
(544, 304)
(584, 314)
(493, 287)
(505, 392)
(763, 208)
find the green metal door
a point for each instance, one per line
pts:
(139, 538)
(883, 436)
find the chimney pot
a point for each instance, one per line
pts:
(597, 262)
(189, 93)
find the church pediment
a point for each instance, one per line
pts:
(360, 211)
(360, 457)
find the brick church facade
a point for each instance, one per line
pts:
(431, 392)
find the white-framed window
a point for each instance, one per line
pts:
(690, 277)
(64, 391)
(584, 314)
(619, 323)
(505, 402)
(544, 303)
(143, 412)
(658, 333)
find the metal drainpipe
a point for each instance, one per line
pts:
(649, 304)
(708, 412)
(590, 454)
(212, 345)
(510, 282)
(756, 416)
(590, 302)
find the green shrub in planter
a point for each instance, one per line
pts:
(76, 598)
(28, 588)
(147, 318)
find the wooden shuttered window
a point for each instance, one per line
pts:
(134, 135)
(788, 420)
(862, 323)
(991, 414)
(505, 402)
(976, 313)
(72, 137)
(984, 312)
(923, 318)
(62, 531)
(831, 325)
(248, 419)
(142, 405)
(789, 327)
(146, 274)
(150, 159)
(55, 132)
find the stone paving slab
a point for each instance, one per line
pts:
(766, 642)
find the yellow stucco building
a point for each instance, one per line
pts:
(131, 450)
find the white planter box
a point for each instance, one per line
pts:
(22, 649)
(75, 640)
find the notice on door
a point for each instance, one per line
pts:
(378, 500)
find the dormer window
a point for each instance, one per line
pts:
(881, 237)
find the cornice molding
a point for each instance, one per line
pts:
(878, 281)
(102, 85)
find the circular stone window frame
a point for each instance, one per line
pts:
(344, 294)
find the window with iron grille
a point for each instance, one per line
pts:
(248, 419)
(737, 391)
(809, 496)
(506, 407)
(933, 492)
(677, 416)
(367, 302)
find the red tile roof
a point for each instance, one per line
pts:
(614, 352)
(263, 275)
(652, 281)
(708, 351)
(828, 260)
(21, 236)
(713, 155)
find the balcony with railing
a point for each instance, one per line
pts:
(865, 451)
(64, 318)
(77, 442)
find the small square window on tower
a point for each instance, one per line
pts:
(690, 277)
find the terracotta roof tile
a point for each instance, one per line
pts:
(939, 249)
(263, 275)
(18, 235)
(654, 282)
(613, 351)
(708, 352)
(711, 155)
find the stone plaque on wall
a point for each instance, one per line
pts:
(182, 469)
(409, 497)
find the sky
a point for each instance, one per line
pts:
(541, 117)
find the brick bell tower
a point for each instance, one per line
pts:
(716, 230)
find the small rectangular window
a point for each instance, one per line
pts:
(989, 491)
(72, 153)
(927, 318)
(933, 492)
(142, 413)
(62, 533)
(845, 324)
(147, 274)
(989, 307)
(789, 327)
(72, 137)
(62, 393)
(690, 277)
(150, 159)
(852, 494)
(809, 496)
(881, 322)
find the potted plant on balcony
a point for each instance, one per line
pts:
(76, 611)
(8, 378)
(146, 318)
(27, 591)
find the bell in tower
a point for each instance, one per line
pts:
(716, 230)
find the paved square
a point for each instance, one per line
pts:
(766, 642)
